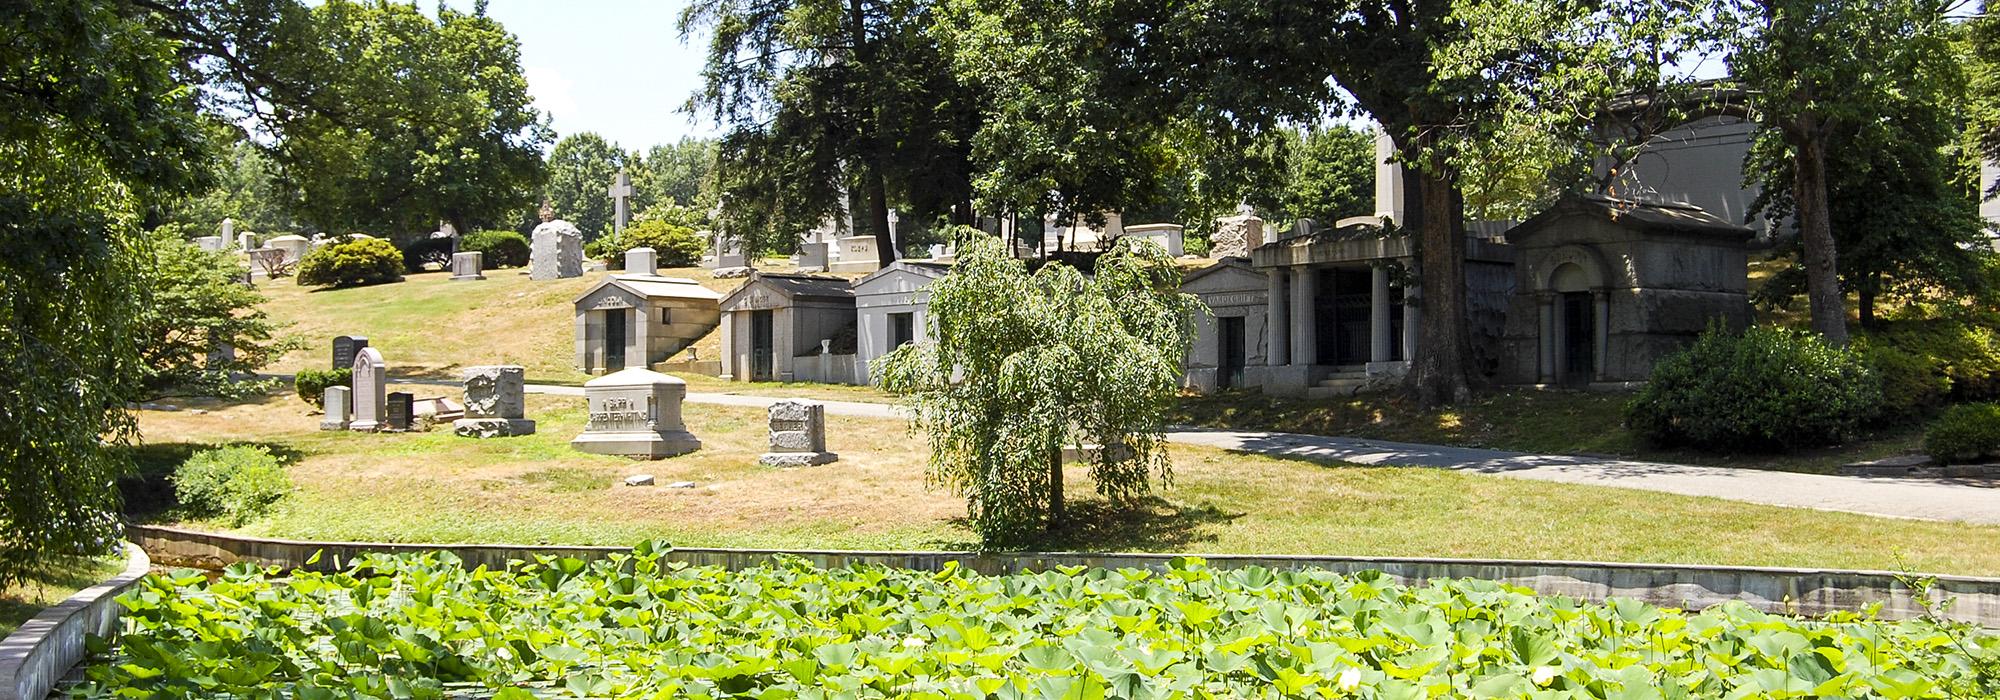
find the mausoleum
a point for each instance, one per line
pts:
(1606, 287)
(786, 328)
(639, 319)
(892, 308)
(1230, 340)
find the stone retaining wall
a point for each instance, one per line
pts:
(35, 656)
(1795, 591)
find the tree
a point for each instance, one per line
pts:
(679, 174)
(412, 120)
(1330, 175)
(1022, 365)
(1820, 71)
(192, 304)
(581, 169)
(245, 190)
(93, 129)
(1898, 204)
(823, 98)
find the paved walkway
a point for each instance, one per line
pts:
(1925, 499)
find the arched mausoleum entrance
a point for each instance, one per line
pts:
(1574, 340)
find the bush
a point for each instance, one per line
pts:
(1767, 389)
(312, 383)
(500, 248)
(351, 262)
(425, 251)
(1965, 352)
(677, 246)
(1912, 386)
(1965, 433)
(240, 483)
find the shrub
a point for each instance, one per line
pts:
(1965, 433)
(677, 246)
(1912, 386)
(1767, 389)
(500, 248)
(1965, 352)
(351, 262)
(312, 383)
(240, 483)
(425, 251)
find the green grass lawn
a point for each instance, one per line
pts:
(435, 487)
(55, 582)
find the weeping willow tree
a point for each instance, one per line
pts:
(1020, 365)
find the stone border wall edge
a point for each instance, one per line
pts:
(1809, 592)
(46, 647)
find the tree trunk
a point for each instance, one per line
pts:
(1058, 512)
(1829, 305)
(1444, 348)
(878, 216)
(1866, 296)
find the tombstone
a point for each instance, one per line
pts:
(228, 229)
(495, 403)
(728, 252)
(344, 348)
(556, 251)
(1236, 236)
(295, 246)
(337, 400)
(798, 435)
(636, 413)
(371, 377)
(246, 241)
(270, 260)
(812, 257)
(466, 266)
(1168, 236)
(642, 261)
(939, 251)
(1304, 227)
(398, 411)
(212, 244)
(858, 254)
(620, 191)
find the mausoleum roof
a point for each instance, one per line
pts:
(797, 287)
(1636, 214)
(926, 268)
(654, 287)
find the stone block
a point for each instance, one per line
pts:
(793, 441)
(797, 459)
(335, 400)
(797, 411)
(492, 427)
(495, 391)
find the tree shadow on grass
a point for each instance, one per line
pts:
(148, 491)
(30, 593)
(1149, 524)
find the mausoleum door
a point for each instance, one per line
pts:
(1579, 338)
(761, 354)
(1352, 294)
(615, 332)
(1229, 369)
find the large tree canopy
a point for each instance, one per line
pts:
(581, 169)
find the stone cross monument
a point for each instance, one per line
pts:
(620, 191)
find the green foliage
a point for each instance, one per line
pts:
(676, 175)
(1330, 176)
(500, 248)
(1965, 433)
(1768, 389)
(1964, 351)
(638, 626)
(427, 251)
(245, 190)
(239, 483)
(192, 303)
(94, 129)
(1023, 365)
(350, 262)
(676, 246)
(581, 168)
(1912, 385)
(411, 119)
(311, 384)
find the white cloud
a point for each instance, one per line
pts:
(552, 92)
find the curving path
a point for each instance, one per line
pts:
(1923, 499)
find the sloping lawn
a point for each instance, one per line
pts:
(59, 580)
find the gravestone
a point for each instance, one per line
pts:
(337, 400)
(636, 413)
(812, 256)
(270, 260)
(642, 261)
(1236, 236)
(211, 244)
(620, 191)
(939, 251)
(295, 246)
(344, 349)
(556, 251)
(728, 252)
(466, 266)
(246, 241)
(858, 254)
(1167, 236)
(798, 435)
(495, 403)
(228, 229)
(371, 378)
(398, 411)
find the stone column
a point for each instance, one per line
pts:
(1305, 339)
(1601, 325)
(1380, 326)
(1413, 317)
(1277, 336)
(1545, 311)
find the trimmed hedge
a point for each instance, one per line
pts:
(351, 262)
(1765, 390)
(1966, 433)
(677, 246)
(499, 248)
(312, 383)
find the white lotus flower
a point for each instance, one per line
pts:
(1350, 679)
(1544, 674)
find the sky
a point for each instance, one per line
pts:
(616, 67)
